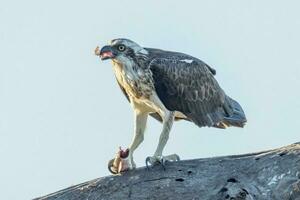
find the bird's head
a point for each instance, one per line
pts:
(120, 50)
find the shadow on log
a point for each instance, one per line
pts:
(268, 175)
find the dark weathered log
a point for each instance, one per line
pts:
(273, 174)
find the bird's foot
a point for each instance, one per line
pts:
(161, 160)
(121, 163)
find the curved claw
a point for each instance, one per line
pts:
(163, 162)
(110, 165)
(147, 161)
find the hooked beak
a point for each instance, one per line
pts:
(105, 53)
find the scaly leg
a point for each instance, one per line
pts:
(139, 130)
(124, 159)
(168, 120)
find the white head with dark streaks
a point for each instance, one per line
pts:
(121, 50)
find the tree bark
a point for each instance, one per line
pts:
(268, 175)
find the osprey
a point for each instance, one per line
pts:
(168, 86)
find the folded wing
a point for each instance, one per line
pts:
(187, 85)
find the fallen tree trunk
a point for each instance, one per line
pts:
(273, 174)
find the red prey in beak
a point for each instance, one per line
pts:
(106, 52)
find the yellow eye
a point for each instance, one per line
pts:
(121, 48)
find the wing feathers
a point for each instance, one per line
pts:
(189, 88)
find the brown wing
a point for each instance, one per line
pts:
(187, 85)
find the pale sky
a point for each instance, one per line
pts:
(62, 115)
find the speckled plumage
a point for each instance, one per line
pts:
(183, 83)
(169, 85)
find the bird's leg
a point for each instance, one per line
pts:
(164, 136)
(168, 120)
(139, 130)
(124, 159)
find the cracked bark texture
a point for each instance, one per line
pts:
(273, 174)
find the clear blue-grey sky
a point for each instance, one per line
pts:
(62, 115)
